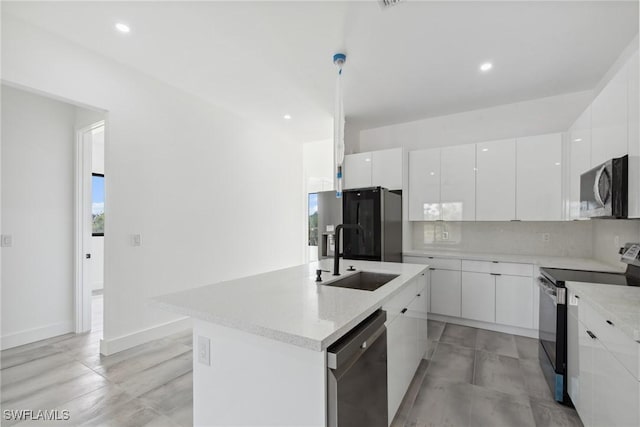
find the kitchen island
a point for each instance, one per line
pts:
(269, 335)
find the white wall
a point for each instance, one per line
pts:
(535, 117)
(37, 211)
(569, 238)
(317, 160)
(213, 196)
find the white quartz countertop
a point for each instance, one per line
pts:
(620, 304)
(539, 260)
(288, 305)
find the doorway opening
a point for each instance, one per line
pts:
(90, 228)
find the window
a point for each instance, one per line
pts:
(313, 219)
(97, 203)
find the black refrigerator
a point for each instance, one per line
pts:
(379, 212)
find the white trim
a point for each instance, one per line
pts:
(35, 334)
(514, 330)
(124, 342)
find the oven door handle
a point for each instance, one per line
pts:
(557, 294)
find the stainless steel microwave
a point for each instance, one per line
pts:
(603, 190)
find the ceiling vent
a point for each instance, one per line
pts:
(389, 3)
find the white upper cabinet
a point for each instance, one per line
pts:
(374, 169)
(609, 121)
(424, 185)
(386, 168)
(579, 159)
(496, 180)
(458, 183)
(634, 137)
(539, 178)
(357, 170)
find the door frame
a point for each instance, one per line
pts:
(82, 226)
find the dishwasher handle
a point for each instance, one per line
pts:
(350, 347)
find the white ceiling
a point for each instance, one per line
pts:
(417, 59)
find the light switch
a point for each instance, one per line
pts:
(204, 351)
(546, 237)
(7, 240)
(137, 240)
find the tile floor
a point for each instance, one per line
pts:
(149, 385)
(473, 377)
(476, 377)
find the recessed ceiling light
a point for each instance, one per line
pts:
(367, 159)
(577, 140)
(287, 117)
(486, 66)
(123, 28)
(432, 173)
(485, 149)
(557, 163)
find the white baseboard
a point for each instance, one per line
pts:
(35, 334)
(514, 330)
(124, 342)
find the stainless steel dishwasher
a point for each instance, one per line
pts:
(357, 376)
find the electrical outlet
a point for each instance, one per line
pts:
(137, 240)
(204, 351)
(546, 237)
(7, 240)
(445, 235)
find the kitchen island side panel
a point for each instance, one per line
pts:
(253, 380)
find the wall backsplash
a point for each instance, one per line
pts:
(605, 244)
(567, 238)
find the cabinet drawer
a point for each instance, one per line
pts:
(402, 299)
(495, 267)
(444, 263)
(623, 348)
(407, 259)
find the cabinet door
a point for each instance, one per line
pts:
(386, 169)
(539, 178)
(424, 185)
(402, 359)
(445, 292)
(609, 121)
(573, 357)
(458, 183)
(580, 159)
(615, 390)
(357, 170)
(514, 301)
(496, 180)
(585, 374)
(478, 296)
(634, 136)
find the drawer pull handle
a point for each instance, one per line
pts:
(431, 268)
(496, 274)
(610, 322)
(577, 296)
(403, 311)
(419, 294)
(495, 262)
(591, 334)
(430, 257)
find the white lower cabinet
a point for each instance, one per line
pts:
(602, 390)
(514, 301)
(478, 296)
(445, 292)
(406, 340)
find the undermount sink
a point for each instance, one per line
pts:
(363, 280)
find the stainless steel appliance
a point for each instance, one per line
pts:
(379, 212)
(553, 313)
(603, 190)
(357, 375)
(329, 215)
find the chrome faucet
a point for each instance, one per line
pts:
(337, 254)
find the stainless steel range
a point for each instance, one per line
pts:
(553, 313)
